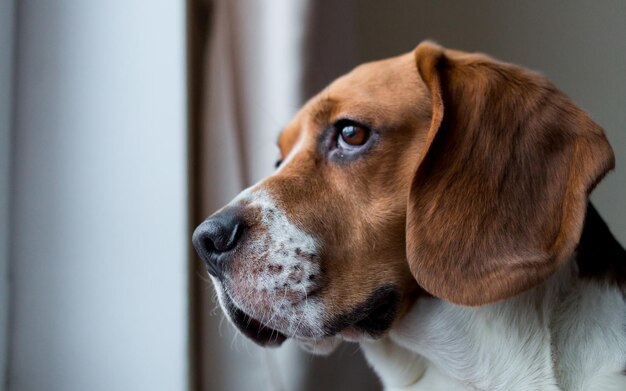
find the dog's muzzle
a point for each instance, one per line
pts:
(269, 278)
(215, 241)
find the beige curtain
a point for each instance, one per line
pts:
(261, 60)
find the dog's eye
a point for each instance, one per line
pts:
(278, 163)
(352, 135)
(348, 139)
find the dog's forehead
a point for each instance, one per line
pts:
(376, 78)
(373, 92)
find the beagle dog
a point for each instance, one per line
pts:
(433, 207)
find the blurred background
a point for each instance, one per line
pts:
(124, 123)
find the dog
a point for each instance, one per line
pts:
(433, 207)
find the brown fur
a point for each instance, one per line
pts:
(496, 165)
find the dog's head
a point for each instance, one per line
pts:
(436, 171)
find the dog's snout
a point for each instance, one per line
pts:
(215, 237)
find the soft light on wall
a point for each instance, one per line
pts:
(99, 235)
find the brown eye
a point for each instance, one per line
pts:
(353, 135)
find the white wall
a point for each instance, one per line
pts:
(6, 110)
(99, 241)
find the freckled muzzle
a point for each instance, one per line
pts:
(215, 241)
(267, 270)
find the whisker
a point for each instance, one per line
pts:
(220, 326)
(233, 345)
(203, 277)
(302, 315)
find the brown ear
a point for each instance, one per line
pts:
(498, 201)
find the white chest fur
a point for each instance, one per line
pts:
(567, 334)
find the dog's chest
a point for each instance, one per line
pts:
(566, 335)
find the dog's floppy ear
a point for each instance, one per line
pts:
(498, 200)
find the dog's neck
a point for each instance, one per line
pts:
(567, 334)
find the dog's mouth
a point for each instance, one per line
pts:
(370, 318)
(258, 332)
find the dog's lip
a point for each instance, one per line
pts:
(372, 317)
(354, 326)
(369, 319)
(258, 332)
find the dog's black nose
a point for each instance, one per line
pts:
(216, 237)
